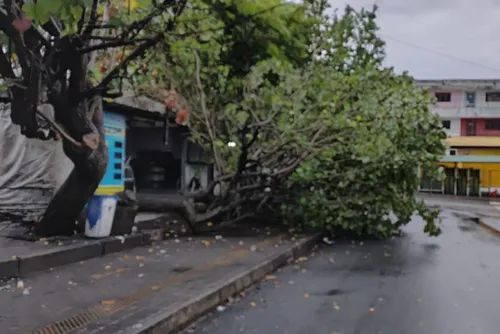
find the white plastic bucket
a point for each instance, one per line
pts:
(100, 215)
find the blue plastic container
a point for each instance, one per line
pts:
(100, 215)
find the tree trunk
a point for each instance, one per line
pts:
(62, 214)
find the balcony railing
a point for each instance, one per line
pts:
(463, 112)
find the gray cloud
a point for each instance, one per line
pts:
(436, 39)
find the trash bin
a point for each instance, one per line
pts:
(100, 215)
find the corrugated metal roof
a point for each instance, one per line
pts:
(473, 141)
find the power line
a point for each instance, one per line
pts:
(444, 55)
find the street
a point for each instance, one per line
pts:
(410, 284)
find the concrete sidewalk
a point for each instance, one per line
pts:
(484, 213)
(162, 287)
(479, 207)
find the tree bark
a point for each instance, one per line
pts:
(62, 214)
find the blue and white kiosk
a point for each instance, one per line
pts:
(102, 206)
(113, 181)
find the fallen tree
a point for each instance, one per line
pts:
(331, 143)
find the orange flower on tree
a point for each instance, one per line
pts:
(182, 116)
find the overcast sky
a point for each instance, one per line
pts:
(440, 39)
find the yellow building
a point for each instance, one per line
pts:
(471, 165)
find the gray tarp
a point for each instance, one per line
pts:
(31, 170)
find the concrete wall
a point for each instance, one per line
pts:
(480, 128)
(457, 110)
(455, 127)
(458, 99)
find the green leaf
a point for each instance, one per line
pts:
(42, 13)
(50, 6)
(241, 117)
(76, 12)
(116, 21)
(29, 10)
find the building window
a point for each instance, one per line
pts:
(493, 97)
(470, 99)
(453, 152)
(446, 124)
(492, 124)
(196, 154)
(443, 97)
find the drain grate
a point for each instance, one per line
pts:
(86, 317)
(109, 307)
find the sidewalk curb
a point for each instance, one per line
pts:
(176, 317)
(489, 227)
(22, 265)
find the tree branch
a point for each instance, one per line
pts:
(92, 19)
(138, 52)
(59, 129)
(113, 44)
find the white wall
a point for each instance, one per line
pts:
(454, 129)
(481, 101)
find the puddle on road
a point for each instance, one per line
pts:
(465, 228)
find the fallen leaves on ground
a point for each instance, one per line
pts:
(306, 296)
(372, 310)
(270, 277)
(327, 241)
(336, 307)
(108, 302)
(253, 304)
(331, 260)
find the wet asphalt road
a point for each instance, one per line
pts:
(406, 285)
